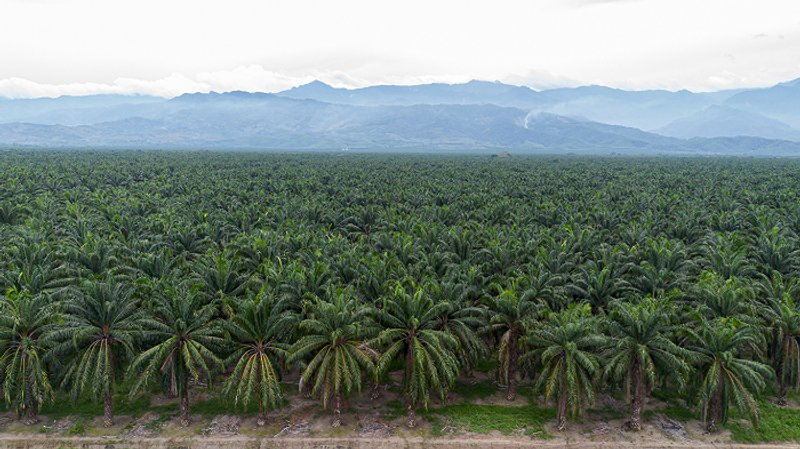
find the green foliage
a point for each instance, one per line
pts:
(642, 349)
(726, 377)
(410, 332)
(776, 424)
(568, 346)
(471, 391)
(78, 428)
(333, 349)
(102, 324)
(508, 420)
(185, 345)
(86, 406)
(678, 413)
(24, 325)
(448, 265)
(261, 330)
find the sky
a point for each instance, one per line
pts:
(170, 47)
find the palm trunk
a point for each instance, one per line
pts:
(375, 393)
(108, 410)
(411, 420)
(261, 419)
(31, 416)
(783, 389)
(635, 422)
(626, 385)
(337, 411)
(714, 409)
(561, 411)
(184, 408)
(511, 392)
(783, 392)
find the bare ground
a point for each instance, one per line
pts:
(367, 423)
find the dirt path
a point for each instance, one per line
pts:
(240, 442)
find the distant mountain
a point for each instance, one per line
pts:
(74, 110)
(641, 109)
(473, 92)
(781, 102)
(257, 120)
(473, 115)
(646, 109)
(724, 121)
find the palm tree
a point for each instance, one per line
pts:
(567, 346)
(333, 344)
(780, 312)
(102, 324)
(461, 319)
(726, 376)
(25, 322)
(185, 344)
(510, 312)
(260, 328)
(724, 298)
(410, 330)
(599, 285)
(221, 280)
(642, 350)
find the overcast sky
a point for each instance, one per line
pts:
(168, 47)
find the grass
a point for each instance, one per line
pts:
(215, 405)
(78, 428)
(484, 419)
(472, 391)
(776, 424)
(486, 365)
(668, 395)
(603, 413)
(678, 413)
(395, 409)
(87, 407)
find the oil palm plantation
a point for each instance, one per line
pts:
(182, 346)
(567, 346)
(410, 333)
(511, 312)
(260, 329)
(334, 351)
(25, 323)
(643, 350)
(103, 322)
(461, 319)
(781, 314)
(726, 374)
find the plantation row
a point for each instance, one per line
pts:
(173, 270)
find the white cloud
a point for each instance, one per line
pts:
(253, 78)
(54, 47)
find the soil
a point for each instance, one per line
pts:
(367, 420)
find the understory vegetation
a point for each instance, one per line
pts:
(124, 273)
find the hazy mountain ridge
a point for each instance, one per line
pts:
(477, 115)
(725, 121)
(640, 109)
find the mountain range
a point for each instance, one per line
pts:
(478, 115)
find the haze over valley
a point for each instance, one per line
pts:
(477, 115)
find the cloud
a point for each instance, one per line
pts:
(599, 2)
(170, 86)
(253, 78)
(540, 80)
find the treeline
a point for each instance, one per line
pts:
(175, 270)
